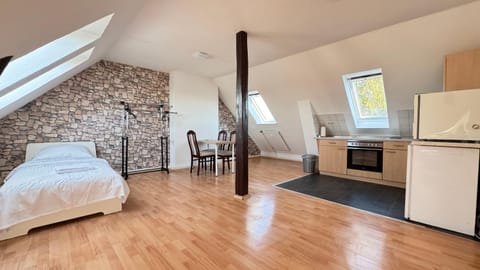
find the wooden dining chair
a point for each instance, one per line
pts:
(226, 155)
(203, 157)
(222, 136)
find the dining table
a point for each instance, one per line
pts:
(216, 144)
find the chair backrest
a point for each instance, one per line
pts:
(222, 136)
(192, 143)
(233, 137)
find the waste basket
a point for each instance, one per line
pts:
(309, 163)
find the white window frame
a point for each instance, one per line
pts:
(367, 121)
(260, 112)
(55, 53)
(40, 81)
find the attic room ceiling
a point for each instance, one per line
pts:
(166, 33)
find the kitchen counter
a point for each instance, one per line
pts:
(367, 138)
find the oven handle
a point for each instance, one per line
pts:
(360, 148)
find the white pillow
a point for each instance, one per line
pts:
(63, 151)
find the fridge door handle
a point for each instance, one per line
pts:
(416, 116)
(408, 183)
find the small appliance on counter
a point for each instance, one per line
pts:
(323, 131)
(443, 161)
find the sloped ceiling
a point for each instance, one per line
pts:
(166, 33)
(26, 25)
(163, 35)
(410, 54)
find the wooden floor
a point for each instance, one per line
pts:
(182, 221)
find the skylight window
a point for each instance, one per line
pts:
(366, 97)
(54, 53)
(34, 84)
(259, 109)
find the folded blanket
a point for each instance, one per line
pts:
(72, 168)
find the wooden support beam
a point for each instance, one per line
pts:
(4, 62)
(241, 162)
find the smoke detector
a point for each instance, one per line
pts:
(201, 55)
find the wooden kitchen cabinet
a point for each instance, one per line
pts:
(395, 161)
(462, 70)
(332, 156)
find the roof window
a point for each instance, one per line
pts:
(366, 97)
(259, 109)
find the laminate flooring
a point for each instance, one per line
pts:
(181, 221)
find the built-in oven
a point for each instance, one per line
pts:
(365, 155)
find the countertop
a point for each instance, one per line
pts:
(405, 139)
(367, 138)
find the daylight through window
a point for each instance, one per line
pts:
(366, 97)
(259, 109)
(40, 61)
(26, 74)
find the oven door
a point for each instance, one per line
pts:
(366, 159)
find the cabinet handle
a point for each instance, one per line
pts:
(390, 152)
(475, 126)
(341, 148)
(332, 143)
(398, 145)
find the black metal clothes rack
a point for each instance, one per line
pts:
(164, 154)
(125, 157)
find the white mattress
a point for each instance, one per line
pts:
(40, 187)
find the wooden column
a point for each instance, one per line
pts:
(4, 62)
(241, 173)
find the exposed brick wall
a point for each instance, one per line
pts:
(227, 122)
(87, 108)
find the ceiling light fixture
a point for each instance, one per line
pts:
(201, 55)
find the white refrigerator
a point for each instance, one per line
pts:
(441, 187)
(443, 161)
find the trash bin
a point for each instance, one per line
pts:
(309, 163)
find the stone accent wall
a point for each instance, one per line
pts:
(87, 108)
(227, 122)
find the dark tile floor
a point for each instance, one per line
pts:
(383, 200)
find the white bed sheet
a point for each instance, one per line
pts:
(41, 187)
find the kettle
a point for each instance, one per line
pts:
(323, 131)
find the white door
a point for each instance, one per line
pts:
(450, 115)
(442, 187)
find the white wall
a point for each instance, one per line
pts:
(195, 98)
(309, 128)
(410, 54)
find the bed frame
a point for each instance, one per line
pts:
(106, 206)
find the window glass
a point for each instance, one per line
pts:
(259, 110)
(366, 97)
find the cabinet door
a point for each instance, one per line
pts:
(462, 70)
(395, 165)
(333, 159)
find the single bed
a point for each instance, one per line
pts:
(57, 182)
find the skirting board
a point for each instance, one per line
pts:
(105, 207)
(187, 166)
(240, 197)
(280, 155)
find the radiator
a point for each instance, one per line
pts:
(275, 140)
